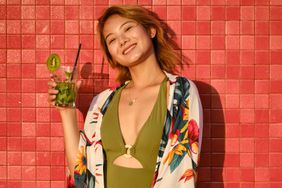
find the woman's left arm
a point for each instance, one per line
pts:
(195, 119)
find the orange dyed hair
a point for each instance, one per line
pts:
(162, 42)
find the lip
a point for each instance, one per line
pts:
(128, 49)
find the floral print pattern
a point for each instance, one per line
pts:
(188, 174)
(81, 162)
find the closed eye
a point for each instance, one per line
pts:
(112, 40)
(128, 28)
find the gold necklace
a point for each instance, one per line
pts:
(130, 101)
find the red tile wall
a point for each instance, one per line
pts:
(235, 53)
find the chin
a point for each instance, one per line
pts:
(129, 64)
(131, 61)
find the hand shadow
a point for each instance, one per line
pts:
(92, 84)
(210, 171)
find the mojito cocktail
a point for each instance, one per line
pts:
(64, 82)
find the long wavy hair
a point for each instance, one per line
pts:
(163, 43)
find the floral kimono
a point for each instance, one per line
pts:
(178, 156)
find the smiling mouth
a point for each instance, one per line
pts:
(128, 49)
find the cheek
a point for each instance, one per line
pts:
(112, 50)
(140, 34)
(146, 43)
(145, 38)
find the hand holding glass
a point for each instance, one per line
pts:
(66, 88)
(65, 82)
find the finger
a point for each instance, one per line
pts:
(52, 84)
(52, 91)
(52, 97)
(54, 77)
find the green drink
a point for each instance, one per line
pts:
(66, 88)
(66, 94)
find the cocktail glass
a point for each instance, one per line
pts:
(65, 86)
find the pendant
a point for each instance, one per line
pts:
(130, 103)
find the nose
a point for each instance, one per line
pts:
(123, 40)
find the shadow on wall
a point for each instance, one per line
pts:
(92, 84)
(213, 144)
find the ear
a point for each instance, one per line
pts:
(152, 32)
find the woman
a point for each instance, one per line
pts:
(147, 132)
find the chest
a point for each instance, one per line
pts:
(131, 123)
(136, 111)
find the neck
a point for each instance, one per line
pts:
(146, 73)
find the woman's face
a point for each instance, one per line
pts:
(128, 42)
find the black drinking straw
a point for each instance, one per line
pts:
(76, 59)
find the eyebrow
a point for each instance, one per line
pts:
(119, 27)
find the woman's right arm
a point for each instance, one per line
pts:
(70, 128)
(71, 136)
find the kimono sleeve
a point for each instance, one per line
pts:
(89, 161)
(82, 174)
(80, 169)
(195, 120)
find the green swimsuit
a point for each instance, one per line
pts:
(145, 148)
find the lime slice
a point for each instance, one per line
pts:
(53, 62)
(68, 75)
